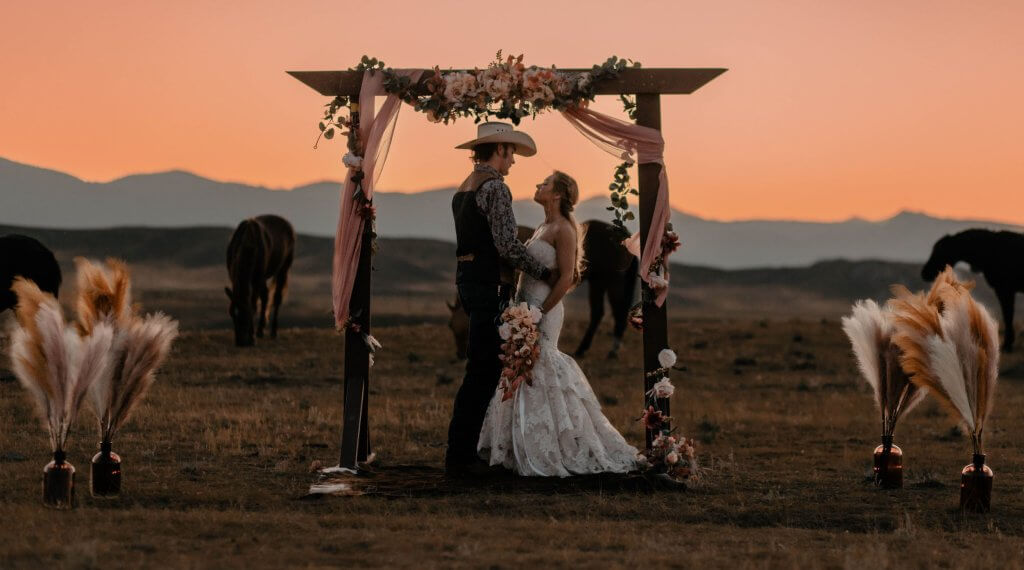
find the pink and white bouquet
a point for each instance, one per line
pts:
(519, 347)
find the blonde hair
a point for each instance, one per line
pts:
(565, 187)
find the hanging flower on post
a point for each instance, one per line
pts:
(636, 316)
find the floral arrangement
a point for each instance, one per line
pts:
(667, 454)
(507, 89)
(673, 456)
(519, 349)
(669, 244)
(636, 316)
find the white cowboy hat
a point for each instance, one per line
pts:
(495, 132)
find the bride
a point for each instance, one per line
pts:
(553, 427)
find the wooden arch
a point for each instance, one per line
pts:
(648, 84)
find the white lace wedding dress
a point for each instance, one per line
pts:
(553, 427)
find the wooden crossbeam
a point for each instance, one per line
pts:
(675, 81)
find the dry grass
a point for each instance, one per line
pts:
(217, 457)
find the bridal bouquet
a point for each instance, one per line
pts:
(520, 350)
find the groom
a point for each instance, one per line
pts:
(488, 254)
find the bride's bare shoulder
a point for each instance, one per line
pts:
(565, 229)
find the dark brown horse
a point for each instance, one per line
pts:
(261, 248)
(999, 256)
(22, 256)
(610, 271)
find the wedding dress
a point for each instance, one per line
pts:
(553, 427)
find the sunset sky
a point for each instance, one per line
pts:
(829, 109)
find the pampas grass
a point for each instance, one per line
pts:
(139, 349)
(140, 344)
(950, 346)
(870, 330)
(53, 362)
(102, 293)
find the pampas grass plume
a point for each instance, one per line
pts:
(53, 362)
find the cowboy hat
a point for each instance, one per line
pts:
(495, 132)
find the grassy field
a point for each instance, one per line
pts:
(218, 457)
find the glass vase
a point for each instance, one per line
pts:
(888, 465)
(976, 486)
(59, 483)
(106, 472)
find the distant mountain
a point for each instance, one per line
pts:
(31, 196)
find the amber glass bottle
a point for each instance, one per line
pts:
(976, 486)
(59, 482)
(888, 465)
(106, 472)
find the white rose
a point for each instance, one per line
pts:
(583, 81)
(672, 458)
(657, 281)
(352, 161)
(667, 358)
(455, 87)
(535, 314)
(470, 85)
(663, 389)
(505, 331)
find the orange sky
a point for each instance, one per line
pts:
(829, 110)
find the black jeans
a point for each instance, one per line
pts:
(483, 303)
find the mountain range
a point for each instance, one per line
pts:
(38, 197)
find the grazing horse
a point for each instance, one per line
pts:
(609, 269)
(22, 256)
(999, 256)
(261, 248)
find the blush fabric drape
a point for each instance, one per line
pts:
(375, 132)
(633, 143)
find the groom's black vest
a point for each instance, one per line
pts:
(478, 257)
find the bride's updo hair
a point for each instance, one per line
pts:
(565, 187)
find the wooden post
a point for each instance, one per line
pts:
(355, 431)
(355, 436)
(648, 114)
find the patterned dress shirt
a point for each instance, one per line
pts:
(495, 201)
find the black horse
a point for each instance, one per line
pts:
(610, 271)
(22, 256)
(999, 256)
(261, 248)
